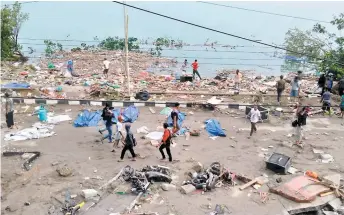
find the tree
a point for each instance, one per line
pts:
(12, 20)
(164, 42)
(7, 43)
(317, 48)
(116, 43)
(18, 19)
(52, 48)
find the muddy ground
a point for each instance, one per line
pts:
(93, 164)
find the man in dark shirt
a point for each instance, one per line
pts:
(129, 144)
(280, 88)
(174, 116)
(107, 117)
(166, 143)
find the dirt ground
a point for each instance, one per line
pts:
(93, 164)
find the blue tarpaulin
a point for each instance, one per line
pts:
(16, 85)
(181, 118)
(88, 119)
(213, 128)
(130, 114)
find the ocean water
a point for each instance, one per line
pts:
(82, 21)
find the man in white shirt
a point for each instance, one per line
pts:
(254, 118)
(106, 65)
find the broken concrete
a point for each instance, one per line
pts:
(300, 189)
(187, 189)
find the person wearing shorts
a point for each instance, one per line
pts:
(295, 88)
(119, 133)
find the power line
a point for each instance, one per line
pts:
(270, 13)
(228, 34)
(27, 2)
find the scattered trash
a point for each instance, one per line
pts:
(89, 193)
(143, 130)
(278, 163)
(213, 128)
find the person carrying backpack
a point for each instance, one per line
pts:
(129, 144)
(166, 143)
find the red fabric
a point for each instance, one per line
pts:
(195, 65)
(166, 135)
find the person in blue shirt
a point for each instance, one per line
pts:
(107, 117)
(326, 101)
(329, 82)
(295, 89)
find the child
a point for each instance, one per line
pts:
(119, 135)
(129, 144)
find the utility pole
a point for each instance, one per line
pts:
(126, 19)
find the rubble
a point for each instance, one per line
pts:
(147, 73)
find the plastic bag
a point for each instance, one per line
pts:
(213, 128)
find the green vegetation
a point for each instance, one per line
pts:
(12, 20)
(52, 48)
(314, 45)
(164, 42)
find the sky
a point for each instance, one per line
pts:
(85, 20)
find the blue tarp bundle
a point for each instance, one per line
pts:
(16, 86)
(87, 119)
(181, 118)
(130, 114)
(213, 127)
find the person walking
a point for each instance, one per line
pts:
(195, 70)
(107, 117)
(254, 118)
(175, 117)
(166, 143)
(9, 111)
(106, 66)
(295, 89)
(301, 122)
(237, 79)
(129, 144)
(119, 133)
(280, 85)
(326, 102)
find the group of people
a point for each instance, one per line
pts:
(301, 114)
(295, 88)
(128, 140)
(194, 68)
